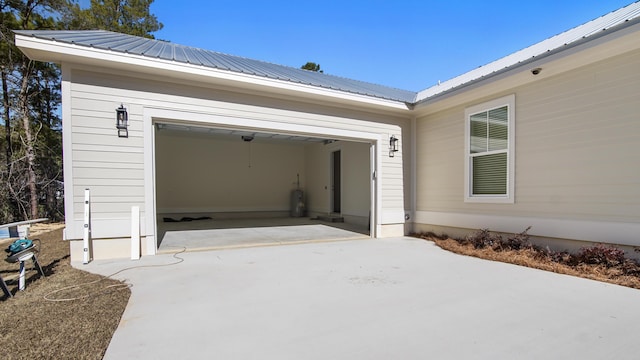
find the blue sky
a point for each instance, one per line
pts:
(407, 44)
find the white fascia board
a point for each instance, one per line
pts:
(48, 50)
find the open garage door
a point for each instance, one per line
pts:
(225, 187)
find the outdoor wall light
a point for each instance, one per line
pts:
(536, 71)
(122, 121)
(393, 145)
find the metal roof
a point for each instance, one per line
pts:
(122, 43)
(588, 31)
(112, 41)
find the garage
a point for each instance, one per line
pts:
(154, 130)
(228, 187)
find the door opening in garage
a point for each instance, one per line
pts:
(336, 182)
(233, 187)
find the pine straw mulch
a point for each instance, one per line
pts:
(561, 263)
(34, 328)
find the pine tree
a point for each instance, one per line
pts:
(125, 16)
(31, 163)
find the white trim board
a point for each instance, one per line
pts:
(150, 179)
(621, 233)
(510, 102)
(170, 116)
(67, 149)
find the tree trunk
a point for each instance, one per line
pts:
(23, 111)
(7, 123)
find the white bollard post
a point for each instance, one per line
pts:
(23, 231)
(87, 229)
(135, 232)
(21, 281)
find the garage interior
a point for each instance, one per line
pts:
(220, 188)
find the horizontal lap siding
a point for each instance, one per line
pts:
(115, 166)
(175, 96)
(577, 137)
(394, 187)
(440, 161)
(111, 167)
(582, 136)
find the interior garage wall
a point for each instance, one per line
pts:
(356, 181)
(203, 174)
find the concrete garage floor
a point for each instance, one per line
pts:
(399, 298)
(231, 233)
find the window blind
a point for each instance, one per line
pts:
(489, 132)
(489, 174)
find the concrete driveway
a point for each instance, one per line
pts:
(398, 298)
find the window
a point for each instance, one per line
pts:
(489, 151)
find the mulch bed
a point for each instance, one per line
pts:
(626, 272)
(32, 327)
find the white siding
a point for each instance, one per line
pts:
(114, 167)
(577, 136)
(440, 161)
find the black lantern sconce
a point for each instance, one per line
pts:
(122, 121)
(393, 145)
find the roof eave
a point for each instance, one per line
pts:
(567, 49)
(60, 52)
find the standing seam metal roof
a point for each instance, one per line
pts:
(129, 44)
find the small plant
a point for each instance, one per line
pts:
(516, 241)
(601, 254)
(561, 257)
(483, 238)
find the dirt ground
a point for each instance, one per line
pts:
(32, 327)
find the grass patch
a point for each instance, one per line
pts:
(34, 328)
(599, 262)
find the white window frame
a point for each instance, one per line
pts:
(510, 102)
